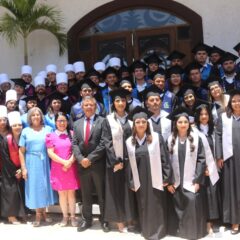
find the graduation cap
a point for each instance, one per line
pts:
(159, 72)
(30, 98)
(189, 90)
(215, 49)
(123, 69)
(19, 82)
(126, 80)
(55, 96)
(153, 58)
(86, 83)
(192, 66)
(201, 47)
(229, 57)
(119, 93)
(178, 112)
(139, 112)
(138, 64)
(109, 70)
(202, 104)
(93, 72)
(175, 55)
(174, 70)
(237, 47)
(152, 91)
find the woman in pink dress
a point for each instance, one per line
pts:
(63, 176)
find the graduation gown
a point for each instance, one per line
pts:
(187, 210)
(12, 203)
(119, 199)
(230, 173)
(151, 202)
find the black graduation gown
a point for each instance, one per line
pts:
(213, 194)
(12, 203)
(230, 174)
(151, 202)
(187, 211)
(119, 199)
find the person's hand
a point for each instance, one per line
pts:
(206, 172)
(197, 187)
(86, 163)
(67, 164)
(24, 174)
(220, 163)
(18, 174)
(171, 189)
(117, 167)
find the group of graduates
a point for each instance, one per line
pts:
(159, 147)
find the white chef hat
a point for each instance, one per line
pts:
(69, 68)
(51, 68)
(11, 95)
(14, 118)
(114, 62)
(4, 78)
(61, 78)
(100, 66)
(26, 69)
(42, 74)
(39, 80)
(3, 111)
(79, 67)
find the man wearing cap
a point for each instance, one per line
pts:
(138, 70)
(230, 79)
(51, 71)
(200, 52)
(159, 121)
(40, 91)
(26, 75)
(86, 88)
(111, 78)
(89, 151)
(79, 69)
(5, 85)
(176, 58)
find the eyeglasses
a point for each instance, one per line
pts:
(61, 121)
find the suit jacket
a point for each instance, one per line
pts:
(95, 151)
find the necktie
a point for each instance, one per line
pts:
(87, 132)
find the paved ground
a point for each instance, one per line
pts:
(55, 232)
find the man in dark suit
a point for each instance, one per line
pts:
(89, 150)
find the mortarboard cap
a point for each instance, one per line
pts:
(178, 112)
(174, 70)
(175, 55)
(139, 112)
(86, 83)
(19, 82)
(215, 49)
(192, 66)
(30, 98)
(201, 47)
(93, 72)
(151, 91)
(153, 58)
(237, 47)
(109, 70)
(228, 57)
(138, 64)
(119, 93)
(126, 80)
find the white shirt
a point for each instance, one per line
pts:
(140, 88)
(122, 119)
(141, 141)
(59, 132)
(204, 129)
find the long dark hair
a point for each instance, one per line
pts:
(148, 134)
(62, 114)
(210, 121)
(229, 109)
(175, 134)
(113, 108)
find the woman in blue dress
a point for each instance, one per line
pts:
(35, 165)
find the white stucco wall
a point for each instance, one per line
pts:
(220, 26)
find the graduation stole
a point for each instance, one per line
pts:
(211, 164)
(227, 136)
(189, 165)
(155, 162)
(117, 134)
(13, 150)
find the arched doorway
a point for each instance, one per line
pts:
(131, 29)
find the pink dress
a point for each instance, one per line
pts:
(62, 180)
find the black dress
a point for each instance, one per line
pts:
(12, 203)
(151, 202)
(230, 174)
(187, 211)
(119, 199)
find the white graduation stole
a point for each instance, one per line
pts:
(190, 162)
(227, 136)
(117, 134)
(211, 164)
(155, 162)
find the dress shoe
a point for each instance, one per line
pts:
(234, 231)
(105, 227)
(84, 226)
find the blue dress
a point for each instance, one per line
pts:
(38, 191)
(50, 121)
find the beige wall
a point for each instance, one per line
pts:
(220, 26)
